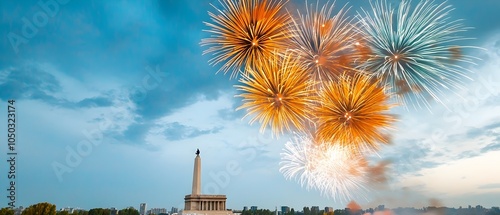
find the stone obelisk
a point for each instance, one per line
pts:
(200, 204)
(197, 175)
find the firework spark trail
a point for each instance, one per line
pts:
(332, 169)
(413, 50)
(352, 112)
(277, 93)
(245, 32)
(323, 41)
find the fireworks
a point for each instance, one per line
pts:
(276, 93)
(403, 52)
(246, 32)
(353, 112)
(323, 42)
(332, 169)
(413, 50)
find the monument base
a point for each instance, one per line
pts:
(205, 203)
(190, 212)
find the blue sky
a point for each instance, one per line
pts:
(129, 78)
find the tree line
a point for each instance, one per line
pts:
(46, 208)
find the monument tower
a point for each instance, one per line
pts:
(200, 204)
(197, 174)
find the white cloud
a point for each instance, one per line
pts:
(441, 138)
(202, 114)
(459, 177)
(73, 90)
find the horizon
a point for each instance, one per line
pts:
(301, 209)
(113, 98)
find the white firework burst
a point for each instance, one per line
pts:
(332, 169)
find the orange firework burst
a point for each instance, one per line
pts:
(323, 41)
(276, 92)
(353, 112)
(246, 32)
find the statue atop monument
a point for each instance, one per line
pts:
(197, 151)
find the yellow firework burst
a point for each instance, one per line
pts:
(323, 41)
(276, 92)
(245, 32)
(353, 112)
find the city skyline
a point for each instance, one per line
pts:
(284, 208)
(113, 98)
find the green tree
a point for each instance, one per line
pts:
(493, 211)
(43, 208)
(339, 212)
(6, 211)
(257, 212)
(80, 212)
(62, 213)
(128, 211)
(98, 211)
(307, 211)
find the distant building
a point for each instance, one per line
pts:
(380, 208)
(143, 209)
(19, 210)
(370, 210)
(253, 208)
(328, 209)
(113, 211)
(174, 210)
(315, 210)
(285, 209)
(157, 211)
(68, 209)
(245, 208)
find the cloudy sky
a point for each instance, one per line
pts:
(114, 97)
